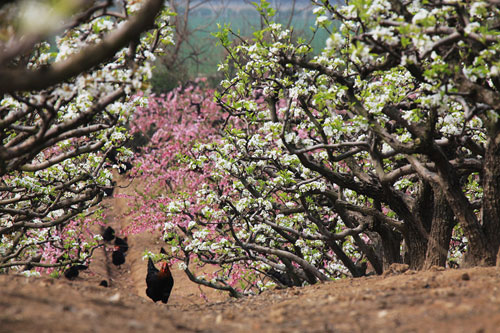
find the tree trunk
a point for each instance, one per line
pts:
(480, 252)
(424, 206)
(491, 194)
(391, 242)
(416, 245)
(418, 230)
(414, 234)
(443, 221)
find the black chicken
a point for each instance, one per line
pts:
(122, 244)
(118, 257)
(72, 272)
(159, 282)
(108, 234)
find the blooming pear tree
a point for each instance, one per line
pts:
(187, 182)
(396, 119)
(69, 70)
(197, 193)
(383, 148)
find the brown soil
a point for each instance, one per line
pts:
(402, 301)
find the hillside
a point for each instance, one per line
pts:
(432, 301)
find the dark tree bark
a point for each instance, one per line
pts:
(414, 233)
(391, 242)
(424, 206)
(418, 232)
(491, 193)
(443, 222)
(480, 252)
(416, 244)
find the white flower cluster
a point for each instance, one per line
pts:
(70, 99)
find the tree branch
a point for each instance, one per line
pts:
(39, 79)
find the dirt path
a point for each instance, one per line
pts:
(441, 301)
(132, 274)
(432, 301)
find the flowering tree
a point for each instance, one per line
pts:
(187, 184)
(170, 168)
(396, 118)
(381, 149)
(68, 70)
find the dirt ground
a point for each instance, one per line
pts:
(432, 301)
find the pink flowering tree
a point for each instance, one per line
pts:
(173, 167)
(68, 72)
